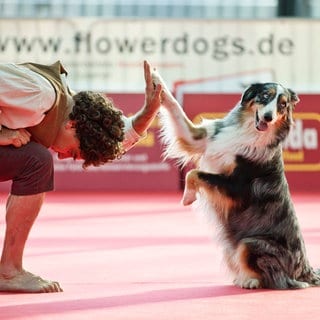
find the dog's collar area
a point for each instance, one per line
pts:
(260, 124)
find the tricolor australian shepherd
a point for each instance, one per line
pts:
(240, 181)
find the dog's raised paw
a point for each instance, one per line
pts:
(189, 196)
(157, 79)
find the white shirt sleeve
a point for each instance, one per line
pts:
(25, 96)
(131, 137)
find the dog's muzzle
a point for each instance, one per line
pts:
(261, 125)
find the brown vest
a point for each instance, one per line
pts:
(46, 131)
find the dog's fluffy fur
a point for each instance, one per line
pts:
(240, 180)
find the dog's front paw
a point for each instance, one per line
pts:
(189, 196)
(167, 98)
(248, 283)
(157, 79)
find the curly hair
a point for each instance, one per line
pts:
(99, 128)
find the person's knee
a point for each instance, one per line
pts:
(41, 159)
(36, 175)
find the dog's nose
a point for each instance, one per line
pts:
(267, 117)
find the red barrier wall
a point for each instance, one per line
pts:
(143, 169)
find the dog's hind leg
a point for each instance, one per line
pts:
(276, 265)
(237, 262)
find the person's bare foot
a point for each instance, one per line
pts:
(26, 282)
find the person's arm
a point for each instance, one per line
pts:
(137, 125)
(16, 137)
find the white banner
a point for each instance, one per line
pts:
(196, 55)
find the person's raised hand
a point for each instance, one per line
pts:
(144, 117)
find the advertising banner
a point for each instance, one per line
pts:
(107, 55)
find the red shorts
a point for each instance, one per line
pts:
(30, 168)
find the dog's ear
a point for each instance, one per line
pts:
(250, 93)
(294, 99)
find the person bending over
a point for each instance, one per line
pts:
(38, 111)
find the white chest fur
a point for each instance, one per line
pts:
(222, 148)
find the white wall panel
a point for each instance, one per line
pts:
(223, 54)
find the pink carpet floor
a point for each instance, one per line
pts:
(145, 256)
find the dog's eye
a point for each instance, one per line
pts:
(282, 106)
(263, 98)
